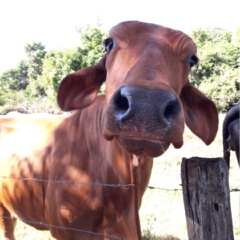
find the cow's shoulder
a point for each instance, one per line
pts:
(23, 130)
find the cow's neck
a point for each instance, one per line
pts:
(133, 174)
(124, 175)
(122, 167)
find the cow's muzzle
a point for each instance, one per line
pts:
(139, 113)
(132, 102)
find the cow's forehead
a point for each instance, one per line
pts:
(135, 30)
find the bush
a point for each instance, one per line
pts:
(218, 72)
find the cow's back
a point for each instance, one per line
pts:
(25, 143)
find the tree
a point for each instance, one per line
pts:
(35, 53)
(218, 72)
(18, 83)
(92, 45)
(58, 64)
(12, 81)
(36, 79)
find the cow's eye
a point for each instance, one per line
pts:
(109, 44)
(192, 60)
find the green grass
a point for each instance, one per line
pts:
(162, 211)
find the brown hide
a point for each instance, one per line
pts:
(84, 175)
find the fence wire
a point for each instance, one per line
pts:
(91, 184)
(88, 184)
(68, 228)
(82, 184)
(102, 184)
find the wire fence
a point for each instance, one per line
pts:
(90, 184)
(102, 184)
(48, 226)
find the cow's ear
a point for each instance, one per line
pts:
(201, 114)
(79, 89)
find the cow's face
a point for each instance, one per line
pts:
(149, 56)
(148, 95)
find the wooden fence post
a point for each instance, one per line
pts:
(206, 198)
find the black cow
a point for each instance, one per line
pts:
(231, 130)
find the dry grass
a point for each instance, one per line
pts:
(162, 212)
(165, 208)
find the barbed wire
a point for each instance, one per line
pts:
(102, 184)
(67, 228)
(88, 184)
(84, 184)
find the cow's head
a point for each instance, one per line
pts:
(148, 94)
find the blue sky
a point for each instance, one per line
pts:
(54, 22)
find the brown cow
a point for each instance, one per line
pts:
(83, 176)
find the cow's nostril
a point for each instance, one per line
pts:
(172, 109)
(121, 104)
(130, 104)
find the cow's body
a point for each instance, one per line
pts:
(231, 133)
(89, 169)
(92, 172)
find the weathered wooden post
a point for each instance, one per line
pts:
(206, 198)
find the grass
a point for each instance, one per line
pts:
(166, 207)
(162, 211)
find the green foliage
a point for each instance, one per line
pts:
(92, 48)
(18, 85)
(36, 78)
(56, 65)
(35, 54)
(34, 82)
(15, 78)
(218, 72)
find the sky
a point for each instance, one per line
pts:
(54, 23)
